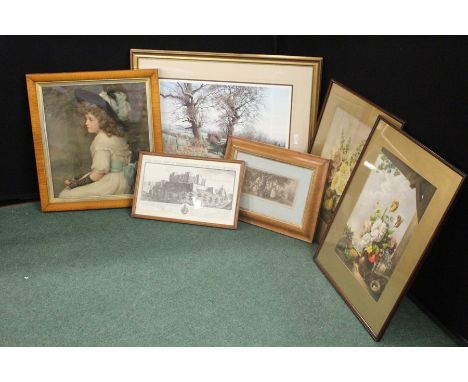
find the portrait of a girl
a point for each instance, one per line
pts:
(111, 172)
(88, 130)
(94, 133)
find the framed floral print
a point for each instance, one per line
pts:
(345, 123)
(390, 211)
(202, 191)
(206, 97)
(88, 128)
(282, 188)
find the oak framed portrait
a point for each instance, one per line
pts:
(392, 207)
(282, 188)
(88, 128)
(206, 97)
(345, 123)
(203, 191)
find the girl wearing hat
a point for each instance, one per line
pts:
(111, 172)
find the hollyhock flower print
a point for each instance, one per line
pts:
(340, 179)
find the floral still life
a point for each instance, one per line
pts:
(372, 254)
(378, 230)
(343, 161)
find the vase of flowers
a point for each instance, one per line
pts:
(371, 252)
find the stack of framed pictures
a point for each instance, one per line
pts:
(220, 137)
(393, 205)
(385, 198)
(203, 98)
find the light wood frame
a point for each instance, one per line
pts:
(240, 179)
(140, 59)
(375, 314)
(304, 231)
(34, 83)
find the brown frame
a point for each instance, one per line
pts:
(242, 58)
(322, 224)
(314, 196)
(188, 221)
(355, 93)
(377, 334)
(33, 82)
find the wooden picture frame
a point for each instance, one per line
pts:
(126, 119)
(175, 188)
(283, 94)
(345, 123)
(392, 208)
(282, 189)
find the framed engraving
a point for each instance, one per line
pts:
(188, 190)
(391, 209)
(282, 188)
(88, 128)
(206, 97)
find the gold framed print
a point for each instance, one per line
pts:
(282, 188)
(88, 128)
(391, 209)
(345, 123)
(203, 191)
(206, 97)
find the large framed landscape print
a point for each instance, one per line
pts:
(88, 128)
(345, 123)
(203, 191)
(392, 207)
(206, 97)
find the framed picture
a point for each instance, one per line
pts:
(191, 190)
(88, 128)
(205, 97)
(345, 123)
(391, 209)
(282, 188)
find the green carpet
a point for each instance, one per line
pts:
(102, 278)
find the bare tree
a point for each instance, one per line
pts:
(237, 105)
(190, 100)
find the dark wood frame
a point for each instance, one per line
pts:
(33, 79)
(321, 232)
(294, 158)
(378, 335)
(327, 95)
(188, 221)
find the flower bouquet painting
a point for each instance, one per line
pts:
(390, 206)
(343, 159)
(343, 146)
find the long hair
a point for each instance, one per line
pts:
(106, 123)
